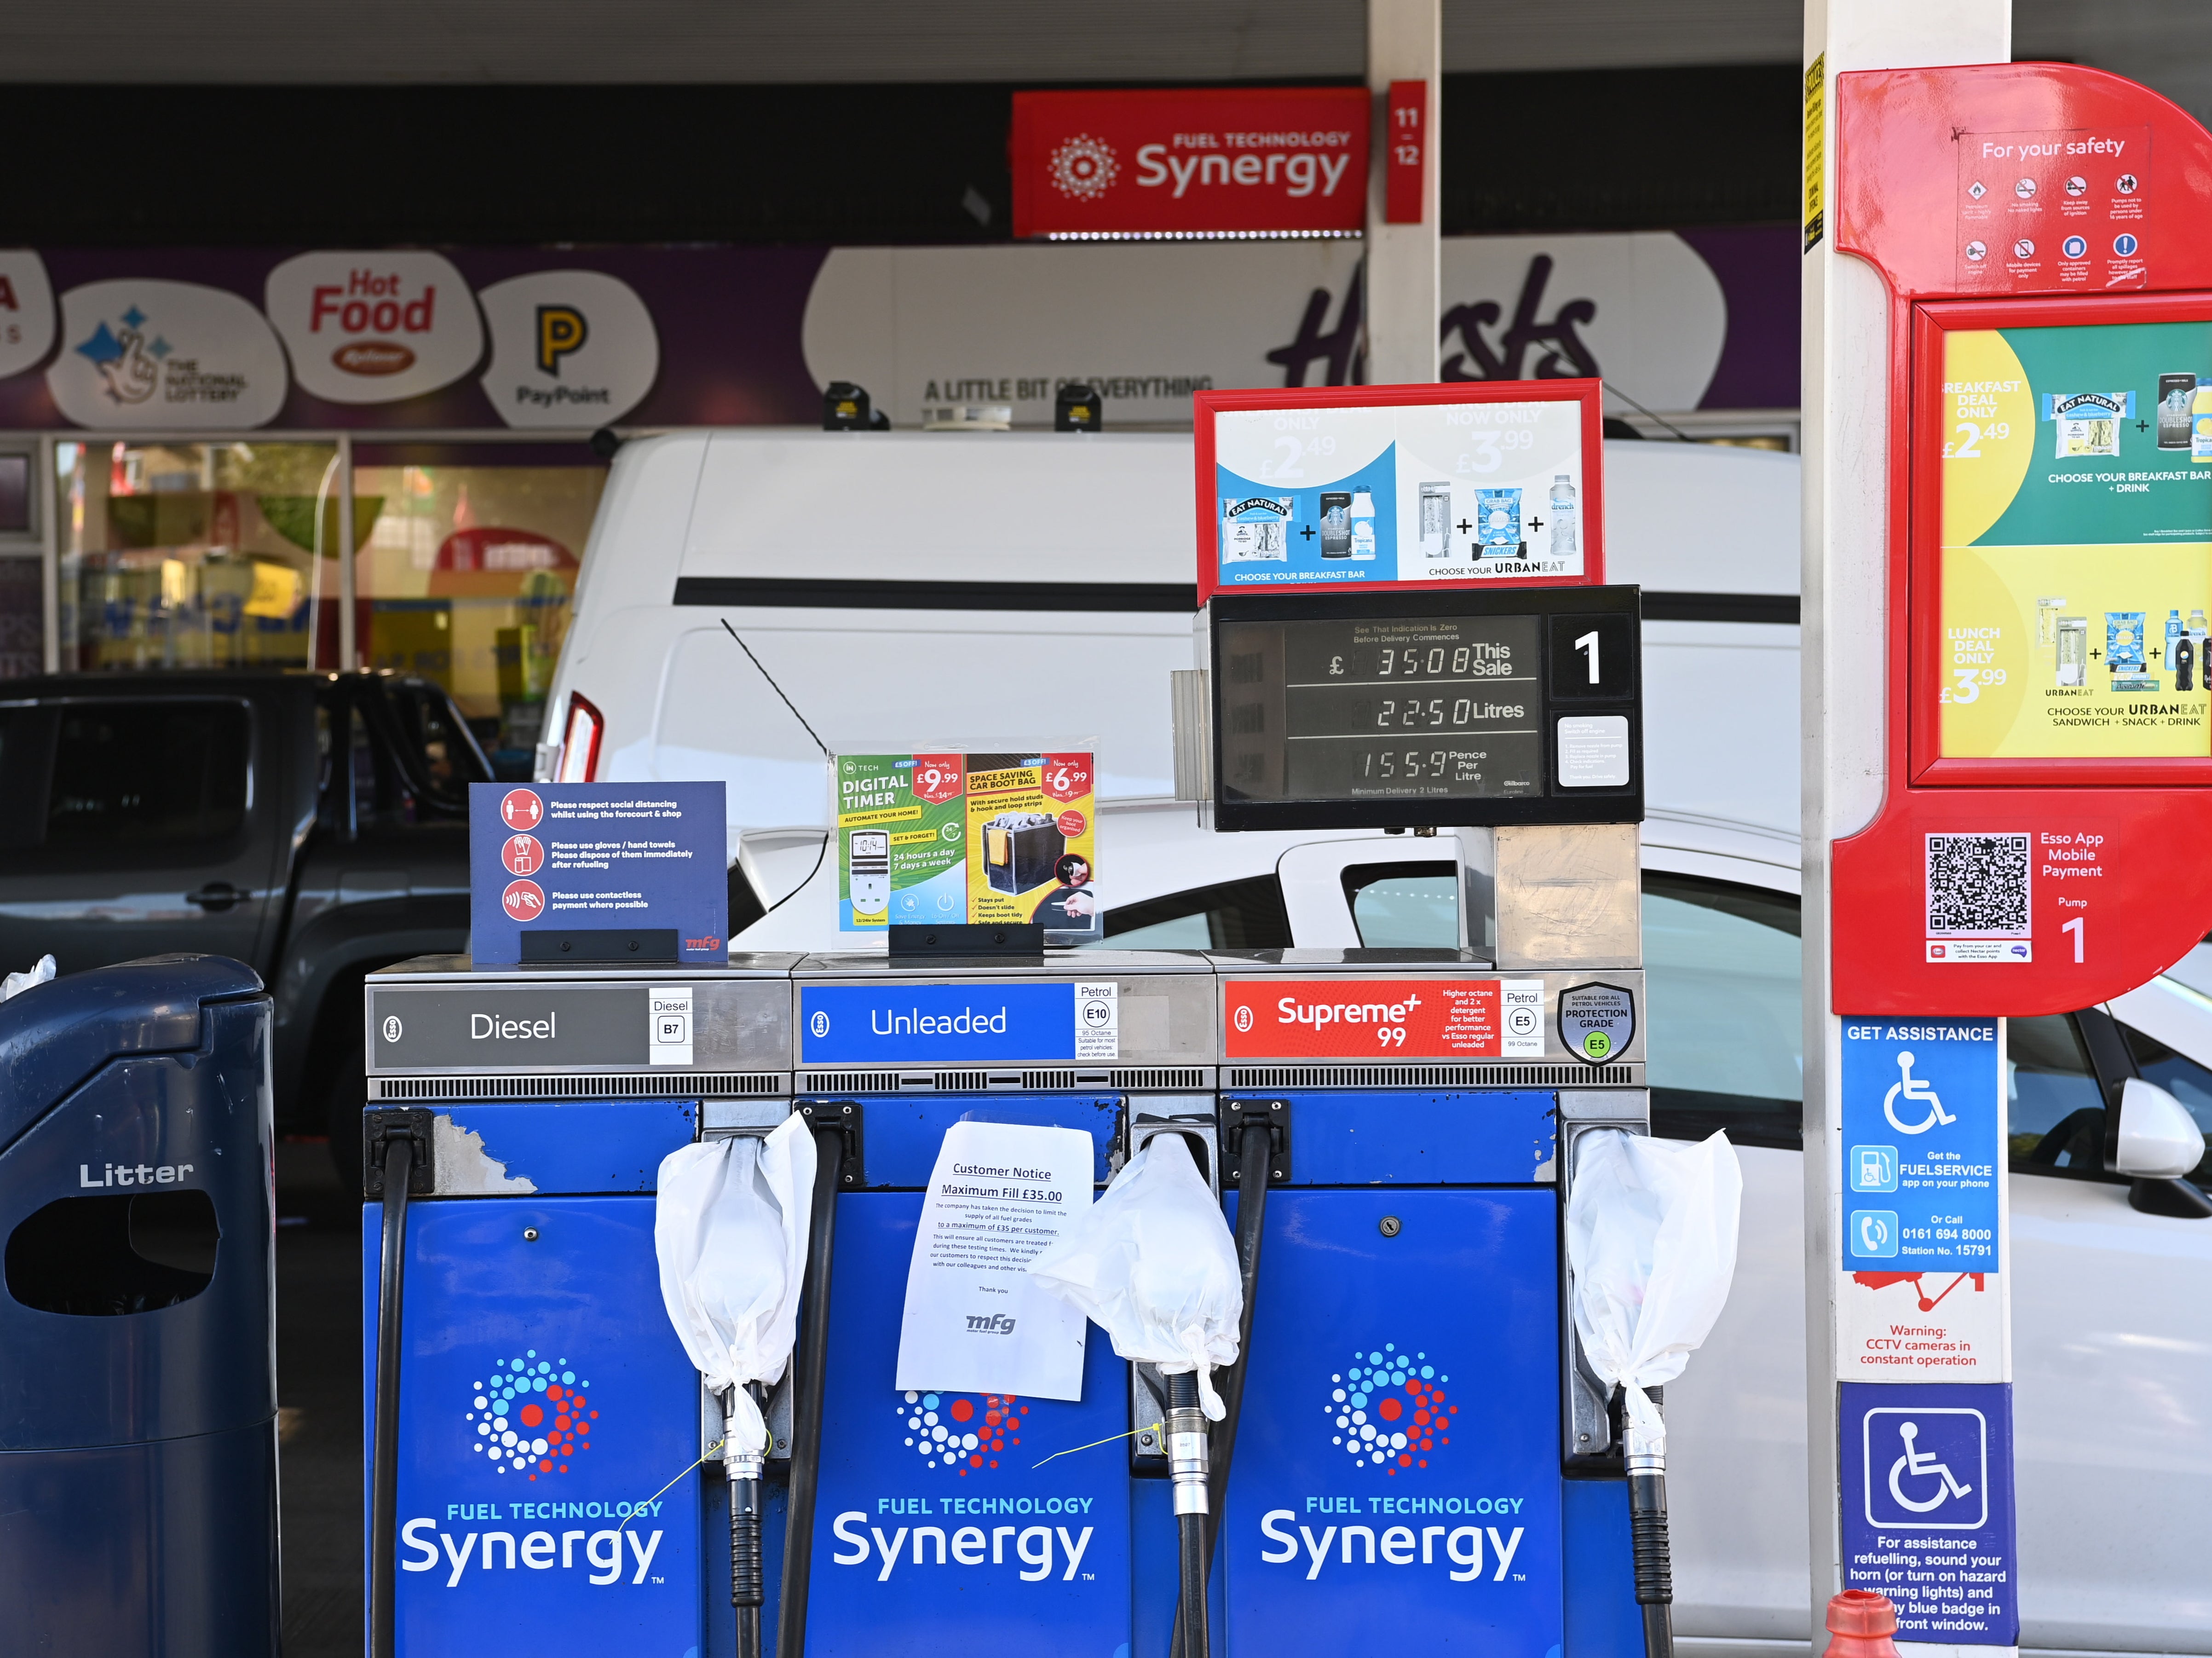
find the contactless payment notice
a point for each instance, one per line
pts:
(566, 858)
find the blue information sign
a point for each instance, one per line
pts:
(1928, 1507)
(570, 857)
(1923, 1147)
(887, 1024)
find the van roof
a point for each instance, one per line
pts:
(777, 504)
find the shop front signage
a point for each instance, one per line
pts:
(27, 311)
(147, 355)
(375, 326)
(1264, 162)
(569, 347)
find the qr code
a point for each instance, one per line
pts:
(1977, 886)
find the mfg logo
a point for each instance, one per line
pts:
(995, 1324)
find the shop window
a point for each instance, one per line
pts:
(198, 555)
(1236, 915)
(1723, 1023)
(465, 576)
(2054, 1103)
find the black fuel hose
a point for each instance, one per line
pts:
(384, 1477)
(808, 1386)
(1654, 1581)
(1193, 1539)
(747, 1592)
(1254, 1163)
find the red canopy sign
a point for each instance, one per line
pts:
(1248, 163)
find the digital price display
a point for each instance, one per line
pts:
(1418, 709)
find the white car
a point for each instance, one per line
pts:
(2112, 1302)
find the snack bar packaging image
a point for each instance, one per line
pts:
(1032, 843)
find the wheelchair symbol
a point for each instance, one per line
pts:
(1918, 1464)
(1917, 1089)
(1927, 1487)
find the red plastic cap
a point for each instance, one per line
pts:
(1861, 1612)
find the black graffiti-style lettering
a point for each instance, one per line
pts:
(1339, 349)
(1565, 355)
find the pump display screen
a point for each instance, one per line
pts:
(1435, 711)
(1390, 709)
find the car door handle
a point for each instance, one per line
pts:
(216, 895)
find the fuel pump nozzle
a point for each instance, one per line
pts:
(1152, 1262)
(1652, 1232)
(743, 1468)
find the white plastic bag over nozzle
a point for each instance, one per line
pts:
(1652, 1234)
(16, 984)
(730, 1226)
(1152, 1264)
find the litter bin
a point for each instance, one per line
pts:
(137, 1334)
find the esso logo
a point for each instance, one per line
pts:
(1244, 1018)
(522, 854)
(521, 809)
(523, 900)
(819, 1024)
(391, 1028)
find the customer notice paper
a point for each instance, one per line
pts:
(1001, 1194)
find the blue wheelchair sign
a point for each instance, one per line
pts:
(1927, 1467)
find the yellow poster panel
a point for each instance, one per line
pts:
(2075, 652)
(1033, 847)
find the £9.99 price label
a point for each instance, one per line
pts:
(1368, 1018)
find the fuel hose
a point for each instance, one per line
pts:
(1255, 1157)
(398, 1162)
(807, 1392)
(747, 1591)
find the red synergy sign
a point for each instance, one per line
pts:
(1362, 1018)
(2044, 235)
(1250, 162)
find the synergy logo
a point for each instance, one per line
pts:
(531, 1417)
(1083, 167)
(964, 1432)
(1389, 1409)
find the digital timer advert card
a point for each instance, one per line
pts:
(597, 857)
(901, 840)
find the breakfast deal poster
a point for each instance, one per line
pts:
(2076, 476)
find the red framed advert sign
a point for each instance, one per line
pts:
(2043, 234)
(1487, 483)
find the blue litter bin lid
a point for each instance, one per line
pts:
(53, 1036)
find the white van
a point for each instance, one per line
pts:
(998, 590)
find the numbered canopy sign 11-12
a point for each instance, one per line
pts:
(2045, 235)
(1471, 485)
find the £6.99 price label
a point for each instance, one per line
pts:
(1368, 1018)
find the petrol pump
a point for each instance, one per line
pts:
(1333, 1390)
